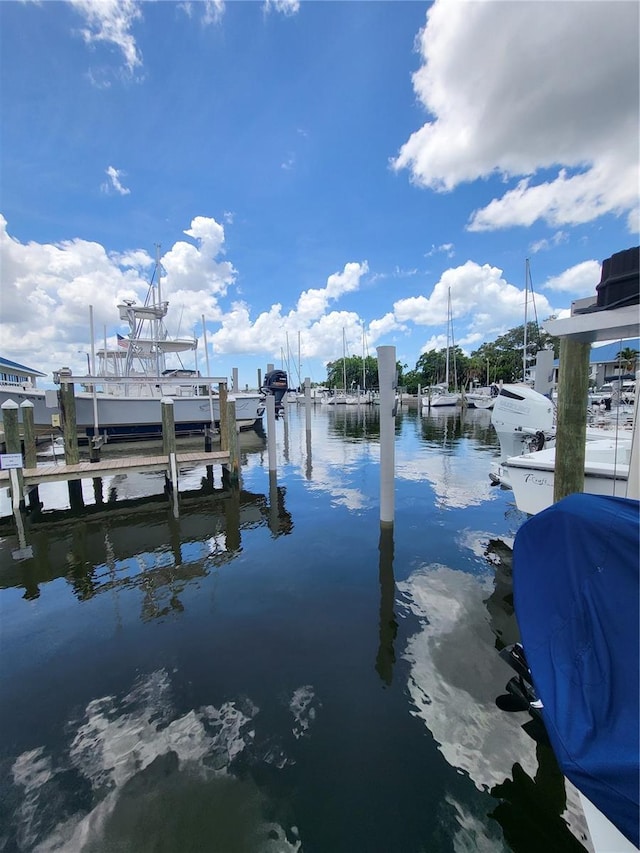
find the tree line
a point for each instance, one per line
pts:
(498, 361)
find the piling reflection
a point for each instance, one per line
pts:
(388, 625)
(140, 543)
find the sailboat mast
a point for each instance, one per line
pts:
(364, 369)
(446, 378)
(344, 361)
(526, 300)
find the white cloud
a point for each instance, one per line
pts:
(543, 86)
(580, 280)
(482, 302)
(320, 332)
(285, 7)
(447, 248)
(213, 11)
(47, 290)
(114, 184)
(110, 21)
(542, 245)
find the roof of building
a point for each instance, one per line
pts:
(608, 352)
(5, 362)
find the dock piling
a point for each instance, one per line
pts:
(169, 439)
(222, 403)
(67, 405)
(387, 383)
(29, 434)
(271, 431)
(571, 434)
(232, 440)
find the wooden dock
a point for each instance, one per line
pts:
(104, 468)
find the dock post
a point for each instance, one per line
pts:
(269, 368)
(169, 438)
(573, 382)
(387, 384)
(222, 418)
(233, 470)
(29, 435)
(13, 445)
(259, 379)
(67, 404)
(271, 431)
(234, 380)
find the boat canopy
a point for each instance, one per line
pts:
(576, 591)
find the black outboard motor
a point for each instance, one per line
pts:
(276, 383)
(521, 694)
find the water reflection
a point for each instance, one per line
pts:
(99, 548)
(138, 774)
(245, 676)
(455, 676)
(388, 624)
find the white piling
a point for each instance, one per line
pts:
(387, 383)
(271, 431)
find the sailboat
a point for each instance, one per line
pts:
(439, 395)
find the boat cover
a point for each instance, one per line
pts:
(576, 592)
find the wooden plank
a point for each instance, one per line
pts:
(106, 467)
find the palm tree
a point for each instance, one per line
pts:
(628, 357)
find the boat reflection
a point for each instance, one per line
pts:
(139, 543)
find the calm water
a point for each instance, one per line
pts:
(266, 671)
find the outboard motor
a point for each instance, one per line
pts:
(276, 383)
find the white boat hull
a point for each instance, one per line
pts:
(532, 475)
(119, 413)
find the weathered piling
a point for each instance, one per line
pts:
(573, 380)
(223, 416)
(13, 447)
(67, 406)
(259, 379)
(29, 434)
(233, 469)
(271, 431)
(234, 380)
(387, 383)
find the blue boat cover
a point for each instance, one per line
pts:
(576, 593)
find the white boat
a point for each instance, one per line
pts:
(439, 395)
(123, 397)
(532, 475)
(483, 398)
(524, 421)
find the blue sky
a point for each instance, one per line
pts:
(310, 167)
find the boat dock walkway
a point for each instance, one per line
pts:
(107, 467)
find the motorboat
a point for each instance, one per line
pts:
(524, 421)
(576, 594)
(532, 475)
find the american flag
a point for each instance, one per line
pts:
(123, 342)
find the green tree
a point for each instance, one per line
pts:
(627, 358)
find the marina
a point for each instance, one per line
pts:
(268, 669)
